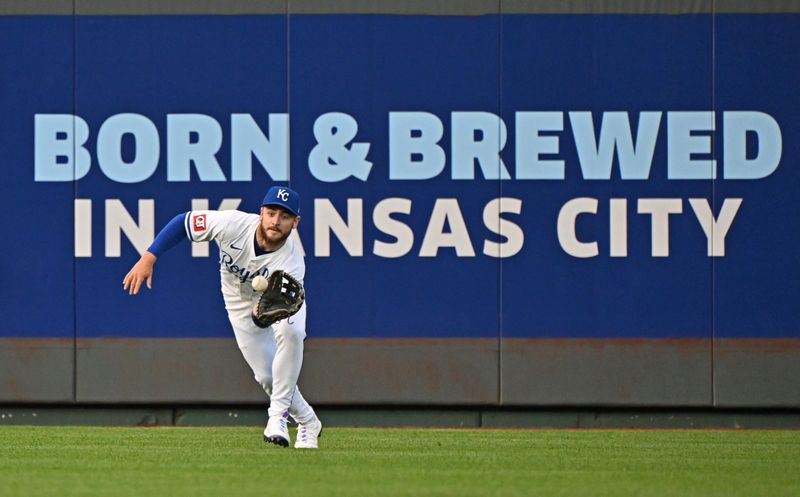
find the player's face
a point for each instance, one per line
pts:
(277, 224)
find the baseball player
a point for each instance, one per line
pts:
(251, 245)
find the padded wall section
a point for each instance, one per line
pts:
(356, 371)
(510, 202)
(36, 370)
(606, 372)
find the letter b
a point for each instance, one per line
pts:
(59, 154)
(413, 135)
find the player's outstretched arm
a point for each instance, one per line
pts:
(141, 272)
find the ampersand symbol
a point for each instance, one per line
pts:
(331, 160)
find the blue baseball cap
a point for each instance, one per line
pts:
(283, 196)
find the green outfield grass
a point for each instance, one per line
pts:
(353, 462)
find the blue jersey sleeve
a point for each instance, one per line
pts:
(169, 236)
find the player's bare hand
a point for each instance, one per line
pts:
(141, 272)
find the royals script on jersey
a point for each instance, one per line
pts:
(234, 232)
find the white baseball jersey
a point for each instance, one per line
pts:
(235, 231)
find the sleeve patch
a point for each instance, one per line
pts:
(199, 222)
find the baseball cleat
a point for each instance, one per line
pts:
(276, 431)
(307, 434)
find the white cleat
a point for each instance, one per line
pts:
(307, 434)
(277, 432)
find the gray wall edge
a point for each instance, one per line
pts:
(395, 7)
(459, 371)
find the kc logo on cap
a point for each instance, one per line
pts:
(284, 197)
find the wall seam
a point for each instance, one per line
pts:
(500, 190)
(713, 200)
(74, 196)
(289, 89)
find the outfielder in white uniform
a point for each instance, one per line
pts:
(252, 245)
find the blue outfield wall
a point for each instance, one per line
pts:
(494, 176)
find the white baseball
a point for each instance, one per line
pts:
(259, 283)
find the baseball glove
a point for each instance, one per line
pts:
(283, 297)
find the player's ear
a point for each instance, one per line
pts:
(296, 221)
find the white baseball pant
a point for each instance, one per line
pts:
(275, 354)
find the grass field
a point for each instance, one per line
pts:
(353, 462)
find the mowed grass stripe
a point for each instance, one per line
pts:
(67, 461)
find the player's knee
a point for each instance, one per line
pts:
(265, 381)
(290, 333)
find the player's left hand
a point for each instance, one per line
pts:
(283, 297)
(141, 272)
